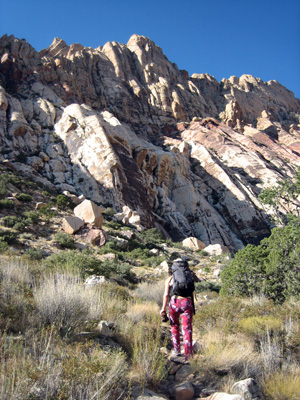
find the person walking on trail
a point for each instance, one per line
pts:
(179, 292)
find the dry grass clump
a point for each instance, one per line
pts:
(152, 291)
(46, 367)
(257, 326)
(16, 303)
(231, 355)
(283, 385)
(148, 363)
(62, 300)
(141, 328)
(143, 312)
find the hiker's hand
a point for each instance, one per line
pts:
(162, 311)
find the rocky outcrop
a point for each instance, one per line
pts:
(122, 126)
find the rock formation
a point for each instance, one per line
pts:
(123, 126)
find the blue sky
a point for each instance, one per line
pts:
(219, 37)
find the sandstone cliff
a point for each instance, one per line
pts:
(123, 125)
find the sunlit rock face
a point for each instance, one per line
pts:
(123, 126)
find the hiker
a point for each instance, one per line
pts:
(179, 289)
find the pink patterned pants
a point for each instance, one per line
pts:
(181, 307)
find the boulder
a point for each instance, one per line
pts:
(72, 224)
(106, 328)
(128, 234)
(165, 266)
(146, 394)
(89, 212)
(225, 396)
(95, 280)
(39, 205)
(184, 391)
(183, 373)
(197, 347)
(193, 243)
(216, 249)
(73, 197)
(248, 388)
(96, 237)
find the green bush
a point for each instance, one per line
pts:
(24, 197)
(259, 325)
(206, 286)
(6, 204)
(64, 240)
(9, 221)
(20, 226)
(272, 268)
(8, 237)
(35, 254)
(3, 246)
(31, 217)
(47, 212)
(109, 212)
(63, 202)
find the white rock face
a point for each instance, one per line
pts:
(122, 126)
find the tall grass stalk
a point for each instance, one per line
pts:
(148, 363)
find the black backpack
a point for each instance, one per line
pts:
(183, 283)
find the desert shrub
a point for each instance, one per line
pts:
(88, 264)
(109, 212)
(206, 286)
(110, 247)
(6, 204)
(151, 237)
(260, 325)
(24, 197)
(63, 202)
(228, 356)
(16, 302)
(62, 300)
(270, 268)
(20, 226)
(47, 212)
(122, 271)
(45, 366)
(8, 237)
(222, 313)
(114, 225)
(35, 254)
(3, 247)
(30, 217)
(73, 260)
(9, 221)
(64, 240)
(151, 291)
(282, 385)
